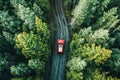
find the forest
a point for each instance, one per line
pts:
(28, 32)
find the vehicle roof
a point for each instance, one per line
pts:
(61, 41)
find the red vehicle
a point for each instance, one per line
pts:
(60, 46)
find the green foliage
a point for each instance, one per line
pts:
(44, 4)
(3, 44)
(112, 78)
(9, 23)
(98, 74)
(73, 75)
(9, 37)
(76, 64)
(86, 34)
(32, 46)
(17, 16)
(15, 3)
(3, 63)
(22, 78)
(35, 45)
(37, 10)
(115, 3)
(114, 62)
(95, 74)
(9, 26)
(93, 44)
(101, 7)
(4, 5)
(117, 41)
(36, 64)
(108, 20)
(27, 42)
(20, 70)
(101, 37)
(6, 60)
(93, 53)
(6, 21)
(75, 43)
(70, 4)
(1, 6)
(26, 15)
(42, 30)
(98, 37)
(46, 9)
(84, 11)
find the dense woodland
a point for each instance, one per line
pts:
(27, 32)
